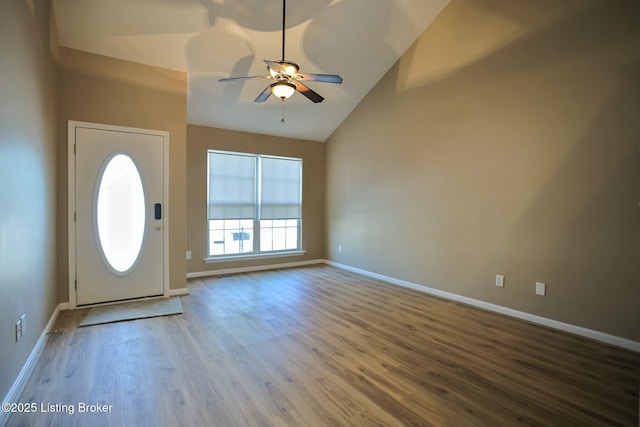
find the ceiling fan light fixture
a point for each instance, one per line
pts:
(283, 90)
(290, 68)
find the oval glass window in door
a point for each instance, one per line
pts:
(120, 213)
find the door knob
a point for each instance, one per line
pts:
(158, 227)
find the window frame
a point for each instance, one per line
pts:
(256, 253)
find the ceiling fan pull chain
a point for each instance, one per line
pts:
(282, 120)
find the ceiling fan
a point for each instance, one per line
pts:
(286, 76)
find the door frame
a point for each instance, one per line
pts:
(71, 193)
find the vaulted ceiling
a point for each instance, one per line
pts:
(213, 39)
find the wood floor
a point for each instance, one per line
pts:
(318, 347)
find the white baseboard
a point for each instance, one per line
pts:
(254, 268)
(178, 292)
(25, 373)
(566, 327)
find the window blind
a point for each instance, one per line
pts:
(232, 183)
(281, 191)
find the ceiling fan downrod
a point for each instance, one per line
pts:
(284, 15)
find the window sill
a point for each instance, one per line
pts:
(228, 258)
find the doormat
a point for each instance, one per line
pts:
(132, 310)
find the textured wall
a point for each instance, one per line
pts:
(505, 141)
(27, 181)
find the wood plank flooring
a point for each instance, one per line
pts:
(318, 346)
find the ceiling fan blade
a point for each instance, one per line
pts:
(322, 78)
(232, 79)
(274, 65)
(264, 95)
(313, 96)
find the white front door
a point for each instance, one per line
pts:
(119, 228)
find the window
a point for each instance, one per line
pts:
(255, 204)
(120, 213)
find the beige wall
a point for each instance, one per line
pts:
(200, 139)
(99, 89)
(505, 141)
(27, 181)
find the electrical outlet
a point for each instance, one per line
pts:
(339, 249)
(188, 255)
(499, 280)
(541, 289)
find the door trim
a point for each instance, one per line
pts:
(71, 194)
